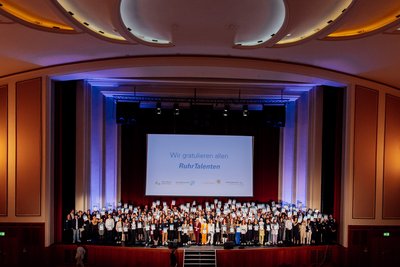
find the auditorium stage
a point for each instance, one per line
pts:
(99, 255)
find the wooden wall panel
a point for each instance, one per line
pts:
(3, 149)
(365, 142)
(381, 250)
(391, 164)
(22, 244)
(28, 148)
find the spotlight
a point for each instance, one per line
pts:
(245, 110)
(127, 112)
(226, 110)
(176, 109)
(158, 108)
(274, 115)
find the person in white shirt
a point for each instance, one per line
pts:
(217, 235)
(274, 231)
(110, 223)
(243, 232)
(118, 228)
(224, 230)
(289, 230)
(261, 232)
(303, 232)
(101, 230)
(308, 232)
(211, 232)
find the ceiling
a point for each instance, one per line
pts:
(357, 37)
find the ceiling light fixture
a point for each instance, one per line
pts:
(87, 22)
(17, 12)
(135, 30)
(366, 28)
(272, 25)
(158, 108)
(316, 26)
(245, 110)
(176, 109)
(226, 111)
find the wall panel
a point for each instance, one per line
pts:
(28, 148)
(3, 149)
(368, 246)
(22, 244)
(391, 164)
(365, 143)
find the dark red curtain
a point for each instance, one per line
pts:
(64, 153)
(133, 155)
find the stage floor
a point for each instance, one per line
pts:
(110, 255)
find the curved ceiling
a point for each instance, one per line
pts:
(331, 34)
(377, 15)
(94, 16)
(250, 23)
(31, 13)
(320, 14)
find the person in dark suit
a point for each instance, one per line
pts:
(332, 230)
(68, 229)
(77, 224)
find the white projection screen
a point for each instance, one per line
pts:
(199, 165)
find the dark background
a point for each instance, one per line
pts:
(198, 120)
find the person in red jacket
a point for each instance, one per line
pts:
(197, 227)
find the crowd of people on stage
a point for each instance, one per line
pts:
(209, 224)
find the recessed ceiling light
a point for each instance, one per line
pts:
(32, 18)
(372, 26)
(318, 23)
(289, 34)
(76, 11)
(273, 24)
